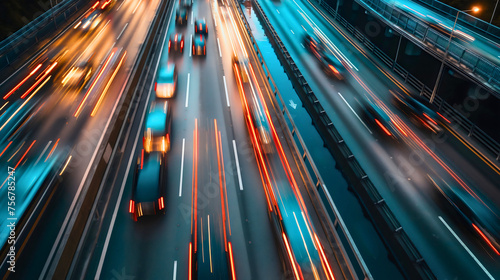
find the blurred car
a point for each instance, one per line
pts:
(176, 43)
(188, 4)
(147, 193)
(166, 81)
(157, 130)
(181, 16)
(200, 26)
(90, 21)
(481, 216)
(17, 115)
(328, 62)
(199, 45)
(379, 119)
(78, 75)
(414, 108)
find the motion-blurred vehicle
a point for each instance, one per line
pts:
(147, 193)
(481, 216)
(16, 116)
(188, 4)
(78, 75)
(181, 16)
(378, 118)
(91, 20)
(199, 45)
(253, 106)
(157, 130)
(166, 81)
(418, 113)
(200, 26)
(176, 43)
(328, 62)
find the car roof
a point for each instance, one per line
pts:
(166, 74)
(157, 117)
(148, 178)
(179, 35)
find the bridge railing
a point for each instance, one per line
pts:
(458, 120)
(36, 30)
(400, 245)
(463, 18)
(472, 63)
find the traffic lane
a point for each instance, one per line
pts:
(250, 194)
(86, 149)
(362, 154)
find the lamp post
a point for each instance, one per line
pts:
(433, 95)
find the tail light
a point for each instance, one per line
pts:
(444, 118)
(161, 203)
(155, 85)
(169, 43)
(206, 29)
(333, 69)
(193, 50)
(204, 50)
(142, 158)
(182, 44)
(430, 119)
(131, 207)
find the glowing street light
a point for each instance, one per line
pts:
(474, 9)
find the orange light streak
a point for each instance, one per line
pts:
(22, 158)
(22, 82)
(52, 150)
(39, 80)
(190, 268)
(292, 259)
(194, 210)
(5, 148)
(101, 97)
(223, 211)
(324, 260)
(486, 239)
(383, 127)
(78, 110)
(231, 260)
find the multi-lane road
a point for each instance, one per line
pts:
(237, 201)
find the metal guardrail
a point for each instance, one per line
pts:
(33, 32)
(338, 222)
(402, 248)
(469, 62)
(463, 18)
(458, 120)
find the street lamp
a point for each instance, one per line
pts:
(494, 10)
(474, 10)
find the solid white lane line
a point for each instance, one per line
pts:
(220, 53)
(292, 32)
(355, 113)
(225, 88)
(278, 11)
(237, 165)
(120, 5)
(466, 248)
(187, 90)
(137, 6)
(191, 17)
(175, 271)
(120, 195)
(191, 46)
(182, 166)
(126, 24)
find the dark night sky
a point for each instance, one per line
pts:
(486, 6)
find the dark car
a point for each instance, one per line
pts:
(147, 191)
(188, 4)
(78, 75)
(181, 16)
(200, 26)
(329, 63)
(380, 119)
(481, 216)
(158, 125)
(199, 45)
(415, 109)
(176, 43)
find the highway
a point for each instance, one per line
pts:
(234, 197)
(398, 169)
